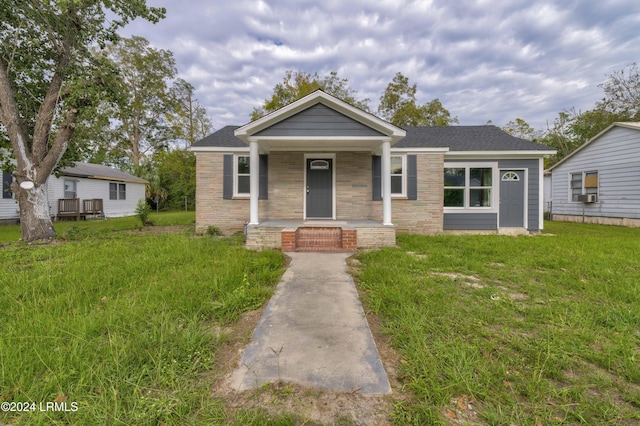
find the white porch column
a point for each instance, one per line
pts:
(386, 183)
(254, 182)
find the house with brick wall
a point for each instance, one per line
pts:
(320, 174)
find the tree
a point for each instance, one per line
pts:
(144, 103)
(177, 174)
(190, 120)
(520, 129)
(622, 92)
(398, 105)
(48, 80)
(299, 84)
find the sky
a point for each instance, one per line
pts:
(494, 60)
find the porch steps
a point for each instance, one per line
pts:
(319, 239)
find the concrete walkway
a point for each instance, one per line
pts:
(314, 332)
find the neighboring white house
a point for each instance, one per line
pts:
(118, 191)
(598, 182)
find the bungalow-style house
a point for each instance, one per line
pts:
(81, 191)
(320, 174)
(598, 182)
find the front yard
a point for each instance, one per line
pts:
(502, 330)
(131, 326)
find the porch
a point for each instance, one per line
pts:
(320, 235)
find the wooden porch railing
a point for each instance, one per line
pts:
(70, 207)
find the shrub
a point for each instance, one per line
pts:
(142, 212)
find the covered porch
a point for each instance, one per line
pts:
(320, 235)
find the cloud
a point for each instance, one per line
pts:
(484, 60)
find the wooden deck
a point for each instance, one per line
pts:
(70, 208)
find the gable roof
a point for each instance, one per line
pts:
(99, 171)
(456, 138)
(628, 125)
(368, 120)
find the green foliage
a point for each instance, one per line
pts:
(177, 175)
(398, 105)
(520, 129)
(213, 231)
(142, 212)
(124, 325)
(532, 330)
(50, 83)
(190, 121)
(299, 84)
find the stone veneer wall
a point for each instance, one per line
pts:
(424, 215)
(211, 209)
(286, 193)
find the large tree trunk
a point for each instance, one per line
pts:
(35, 219)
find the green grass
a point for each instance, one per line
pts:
(81, 229)
(123, 324)
(533, 330)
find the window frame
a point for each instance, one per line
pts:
(403, 177)
(583, 189)
(493, 188)
(236, 175)
(121, 189)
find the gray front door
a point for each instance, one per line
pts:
(511, 198)
(319, 188)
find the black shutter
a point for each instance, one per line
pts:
(6, 184)
(376, 167)
(264, 177)
(412, 177)
(227, 177)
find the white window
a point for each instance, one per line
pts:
(583, 183)
(469, 186)
(117, 191)
(70, 188)
(242, 179)
(398, 175)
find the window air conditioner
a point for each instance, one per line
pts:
(591, 198)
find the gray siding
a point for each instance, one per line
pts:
(616, 157)
(486, 221)
(534, 190)
(471, 221)
(319, 120)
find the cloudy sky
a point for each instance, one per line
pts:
(485, 59)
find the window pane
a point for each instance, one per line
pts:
(396, 166)
(113, 191)
(396, 184)
(243, 165)
(454, 177)
(480, 198)
(123, 191)
(244, 184)
(576, 186)
(454, 197)
(480, 177)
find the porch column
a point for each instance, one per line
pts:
(386, 183)
(254, 182)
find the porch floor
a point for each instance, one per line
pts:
(320, 235)
(328, 223)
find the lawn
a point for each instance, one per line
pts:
(121, 326)
(118, 327)
(513, 330)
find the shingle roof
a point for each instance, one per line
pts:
(99, 171)
(222, 138)
(466, 138)
(456, 138)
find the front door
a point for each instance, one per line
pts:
(319, 188)
(511, 198)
